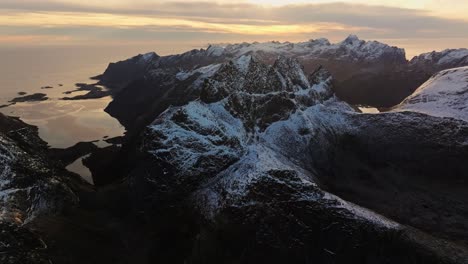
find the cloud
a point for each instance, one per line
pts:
(224, 21)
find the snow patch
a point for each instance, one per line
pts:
(215, 51)
(363, 213)
(147, 57)
(453, 55)
(201, 134)
(243, 63)
(205, 72)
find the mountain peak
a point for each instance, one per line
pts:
(351, 39)
(148, 56)
(215, 50)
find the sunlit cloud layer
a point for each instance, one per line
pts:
(246, 26)
(75, 22)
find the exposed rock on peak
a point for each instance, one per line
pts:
(147, 57)
(248, 75)
(322, 82)
(120, 74)
(214, 51)
(352, 40)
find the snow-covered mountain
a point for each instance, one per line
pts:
(266, 148)
(238, 106)
(443, 95)
(244, 154)
(247, 142)
(449, 58)
(365, 72)
(350, 49)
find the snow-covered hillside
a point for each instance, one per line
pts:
(444, 95)
(446, 58)
(29, 184)
(254, 122)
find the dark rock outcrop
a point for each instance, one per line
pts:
(30, 98)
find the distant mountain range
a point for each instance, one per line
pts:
(365, 72)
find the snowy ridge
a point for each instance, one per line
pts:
(205, 72)
(352, 48)
(271, 151)
(147, 57)
(363, 213)
(196, 132)
(232, 184)
(448, 57)
(444, 95)
(249, 77)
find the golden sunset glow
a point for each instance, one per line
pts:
(201, 22)
(51, 20)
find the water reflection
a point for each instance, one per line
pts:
(61, 123)
(78, 168)
(65, 123)
(369, 110)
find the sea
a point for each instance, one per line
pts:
(61, 123)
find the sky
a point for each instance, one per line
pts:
(175, 25)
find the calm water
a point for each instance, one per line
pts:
(369, 109)
(61, 123)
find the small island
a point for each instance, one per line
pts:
(30, 98)
(94, 92)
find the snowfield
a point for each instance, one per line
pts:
(444, 95)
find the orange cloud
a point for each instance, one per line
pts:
(60, 19)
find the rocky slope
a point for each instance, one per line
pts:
(30, 187)
(252, 167)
